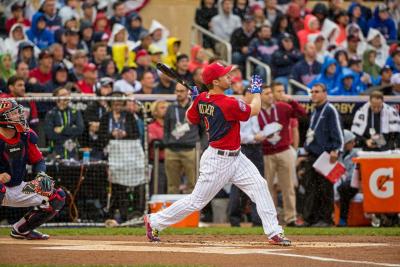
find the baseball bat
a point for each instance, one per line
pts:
(175, 76)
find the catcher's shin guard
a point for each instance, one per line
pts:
(37, 217)
(2, 192)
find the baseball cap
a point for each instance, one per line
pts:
(89, 67)
(383, 8)
(248, 18)
(287, 36)
(45, 53)
(16, 6)
(214, 71)
(386, 67)
(394, 50)
(354, 60)
(72, 32)
(141, 53)
(60, 67)
(154, 50)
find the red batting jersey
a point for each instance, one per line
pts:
(221, 115)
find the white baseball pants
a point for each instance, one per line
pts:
(216, 171)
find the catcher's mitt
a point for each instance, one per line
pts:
(42, 185)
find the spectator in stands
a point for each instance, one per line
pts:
(165, 86)
(370, 67)
(366, 12)
(320, 11)
(283, 59)
(240, 41)
(17, 12)
(237, 86)
(70, 9)
(118, 13)
(155, 138)
(394, 60)
(250, 144)
(87, 37)
(342, 57)
(147, 81)
(347, 84)
(362, 79)
(308, 68)
(134, 26)
(143, 62)
(102, 25)
(89, 12)
(394, 11)
(395, 81)
(304, 10)
(311, 25)
(295, 18)
(53, 20)
(241, 8)
(26, 54)
(259, 17)
(318, 39)
(346, 192)
(72, 43)
(64, 125)
(92, 116)
(225, 22)
(180, 139)
(335, 7)
(6, 66)
(42, 73)
(264, 45)
(99, 53)
(271, 10)
(22, 70)
(328, 75)
(59, 78)
(382, 21)
(127, 84)
(355, 16)
(342, 20)
(354, 46)
(385, 78)
(197, 78)
(324, 135)
(16, 87)
(207, 10)
(159, 34)
(282, 26)
(57, 50)
(331, 32)
(15, 37)
(182, 67)
(120, 46)
(198, 58)
(278, 157)
(146, 41)
(173, 50)
(86, 85)
(108, 68)
(376, 125)
(155, 56)
(79, 60)
(38, 34)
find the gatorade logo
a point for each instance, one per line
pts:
(381, 183)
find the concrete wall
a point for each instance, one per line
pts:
(176, 15)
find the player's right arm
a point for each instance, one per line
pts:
(192, 114)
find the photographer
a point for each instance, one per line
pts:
(376, 125)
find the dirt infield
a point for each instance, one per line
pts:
(204, 250)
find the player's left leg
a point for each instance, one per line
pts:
(44, 210)
(249, 179)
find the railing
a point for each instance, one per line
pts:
(197, 34)
(298, 85)
(250, 61)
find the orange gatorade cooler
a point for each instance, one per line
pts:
(380, 181)
(159, 202)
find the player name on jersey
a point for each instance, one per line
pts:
(206, 109)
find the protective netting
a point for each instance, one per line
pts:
(94, 149)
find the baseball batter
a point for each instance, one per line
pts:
(222, 162)
(17, 149)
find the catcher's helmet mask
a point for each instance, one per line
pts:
(12, 116)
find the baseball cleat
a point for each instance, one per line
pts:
(32, 235)
(279, 240)
(152, 234)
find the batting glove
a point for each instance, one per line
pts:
(194, 92)
(255, 85)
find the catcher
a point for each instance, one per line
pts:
(17, 149)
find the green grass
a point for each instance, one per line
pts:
(355, 231)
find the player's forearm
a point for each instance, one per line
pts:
(255, 105)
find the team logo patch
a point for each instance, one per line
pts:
(242, 105)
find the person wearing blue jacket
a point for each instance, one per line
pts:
(382, 21)
(394, 60)
(347, 84)
(324, 134)
(329, 74)
(356, 16)
(38, 34)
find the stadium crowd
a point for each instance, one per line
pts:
(102, 48)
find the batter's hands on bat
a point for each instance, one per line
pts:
(4, 177)
(194, 92)
(255, 85)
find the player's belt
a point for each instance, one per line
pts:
(228, 153)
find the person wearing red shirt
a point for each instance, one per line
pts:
(222, 162)
(42, 73)
(17, 11)
(86, 85)
(278, 157)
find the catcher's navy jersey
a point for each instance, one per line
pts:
(221, 115)
(16, 153)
